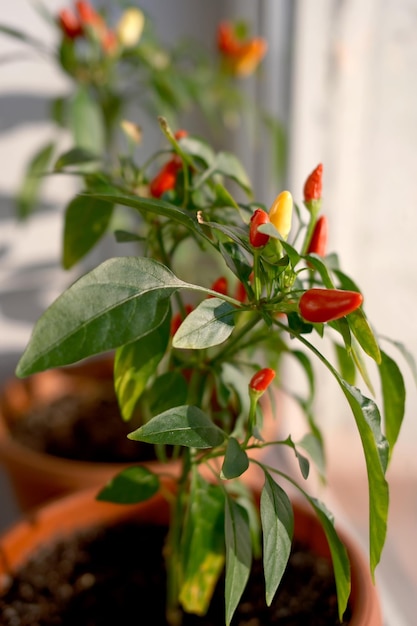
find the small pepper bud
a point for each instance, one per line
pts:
(261, 380)
(130, 27)
(318, 243)
(313, 186)
(259, 217)
(280, 213)
(325, 305)
(180, 134)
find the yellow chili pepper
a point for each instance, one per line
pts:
(280, 213)
(130, 27)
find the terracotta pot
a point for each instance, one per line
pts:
(81, 510)
(38, 477)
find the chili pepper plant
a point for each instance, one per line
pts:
(120, 74)
(197, 356)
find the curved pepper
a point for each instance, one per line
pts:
(256, 239)
(280, 213)
(318, 243)
(325, 305)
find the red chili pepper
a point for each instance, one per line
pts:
(262, 379)
(166, 178)
(70, 24)
(326, 305)
(220, 285)
(258, 218)
(180, 134)
(313, 185)
(88, 15)
(240, 293)
(109, 42)
(318, 243)
(226, 39)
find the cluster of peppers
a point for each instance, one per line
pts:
(316, 305)
(84, 21)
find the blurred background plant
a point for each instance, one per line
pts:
(122, 75)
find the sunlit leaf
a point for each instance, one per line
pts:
(134, 365)
(210, 324)
(360, 327)
(118, 302)
(393, 394)
(202, 546)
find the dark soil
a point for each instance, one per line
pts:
(82, 428)
(99, 579)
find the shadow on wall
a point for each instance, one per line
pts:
(19, 109)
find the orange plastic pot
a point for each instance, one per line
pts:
(80, 510)
(37, 477)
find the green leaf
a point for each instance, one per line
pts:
(135, 363)
(238, 555)
(86, 221)
(202, 546)
(28, 194)
(313, 445)
(228, 165)
(236, 460)
(375, 448)
(150, 205)
(169, 389)
(210, 324)
(376, 451)
(130, 486)
(182, 425)
(346, 363)
(277, 530)
(361, 329)
(340, 559)
(118, 302)
(303, 463)
(393, 394)
(75, 156)
(198, 149)
(86, 122)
